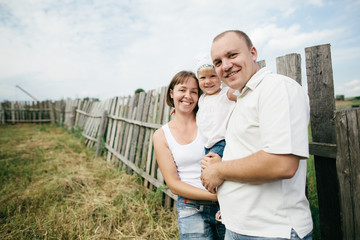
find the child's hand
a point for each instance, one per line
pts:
(209, 159)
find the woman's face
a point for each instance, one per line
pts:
(185, 95)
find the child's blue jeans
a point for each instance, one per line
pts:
(217, 148)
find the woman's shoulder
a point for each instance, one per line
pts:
(159, 134)
(158, 131)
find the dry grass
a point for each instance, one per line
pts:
(342, 104)
(52, 188)
(347, 103)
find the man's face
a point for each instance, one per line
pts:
(234, 62)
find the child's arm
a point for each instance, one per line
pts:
(230, 95)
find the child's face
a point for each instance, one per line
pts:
(209, 81)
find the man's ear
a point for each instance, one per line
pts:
(254, 53)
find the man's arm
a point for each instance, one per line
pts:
(260, 167)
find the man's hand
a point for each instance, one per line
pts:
(210, 177)
(209, 159)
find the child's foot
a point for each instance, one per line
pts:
(218, 216)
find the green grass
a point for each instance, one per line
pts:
(52, 188)
(313, 197)
(347, 103)
(312, 193)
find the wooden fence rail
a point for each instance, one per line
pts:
(124, 126)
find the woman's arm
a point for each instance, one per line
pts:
(168, 169)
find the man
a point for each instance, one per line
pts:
(261, 179)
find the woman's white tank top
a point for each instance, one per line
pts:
(187, 157)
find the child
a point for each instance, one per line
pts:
(215, 107)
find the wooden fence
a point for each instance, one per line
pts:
(348, 170)
(124, 126)
(26, 112)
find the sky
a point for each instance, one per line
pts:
(105, 48)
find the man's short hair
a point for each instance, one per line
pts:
(241, 34)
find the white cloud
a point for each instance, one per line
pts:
(316, 2)
(289, 12)
(356, 90)
(273, 38)
(355, 82)
(349, 89)
(346, 53)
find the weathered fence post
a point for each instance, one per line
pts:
(141, 141)
(33, 107)
(159, 119)
(130, 130)
(129, 115)
(290, 65)
(261, 63)
(135, 140)
(348, 169)
(151, 118)
(2, 113)
(72, 118)
(322, 106)
(39, 108)
(62, 112)
(12, 109)
(52, 114)
(111, 125)
(101, 132)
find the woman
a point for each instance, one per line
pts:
(179, 150)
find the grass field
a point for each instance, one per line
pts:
(348, 103)
(51, 187)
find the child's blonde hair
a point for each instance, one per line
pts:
(204, 64)
(205, 70)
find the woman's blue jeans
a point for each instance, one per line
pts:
(197, 221)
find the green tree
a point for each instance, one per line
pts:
(139, 90)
